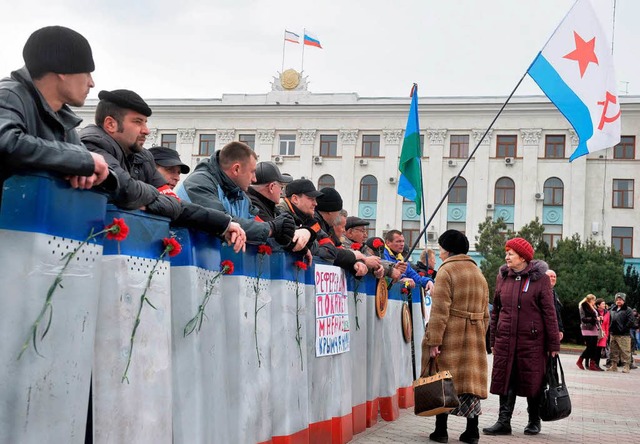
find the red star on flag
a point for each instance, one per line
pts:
(584, 53)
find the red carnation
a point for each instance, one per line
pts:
(421, 273)
(404, 290)
(118, 230)
(430, 272)
(227, 266)
(172, 246)
(377, 243)
(301, 265)
(356, 246)
(265, 249)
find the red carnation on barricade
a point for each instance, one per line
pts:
(118, 230)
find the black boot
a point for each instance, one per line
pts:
(534, 425)
(471, 435)
(503, 425)
(440, 433)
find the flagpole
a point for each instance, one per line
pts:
(453, 182)
(304, 32)
(284, 44)
(613, 27)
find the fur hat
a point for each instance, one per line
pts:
(454, 242)
(59, 50)
(622, 296)
(521, 247)
(330, 200)
(126, 99)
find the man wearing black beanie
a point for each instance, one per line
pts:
(34, 102)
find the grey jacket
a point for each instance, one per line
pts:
(210, 187)
(34, 137)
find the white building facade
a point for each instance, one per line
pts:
(520, 171)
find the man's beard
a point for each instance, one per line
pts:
(135, 147)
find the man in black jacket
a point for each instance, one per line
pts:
(556, 299)
(119, 135)
(620, 341)
(37, 127)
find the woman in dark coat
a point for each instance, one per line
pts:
(524, 331)
(589, 327)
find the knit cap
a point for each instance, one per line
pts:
(59, 50)
(521, 247)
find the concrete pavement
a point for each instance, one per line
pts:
(605, 408)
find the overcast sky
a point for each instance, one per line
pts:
(203, 49)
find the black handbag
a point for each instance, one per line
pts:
(555, 403)
(435, 393)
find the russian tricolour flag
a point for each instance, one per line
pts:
(575, 70)
(311, 40)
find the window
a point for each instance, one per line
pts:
(207, 144)
(410, 231)
(169, 140)
(554, 147)
(422, 144)
(328, 145)
(370, 145)
(371, 228)
(505, 193)
(552, 234)
(460, 226)
(287, 144)
(326, 180)
(622, 240)
(506, 146)
(553, 192)
(458, 193)
(623, 193)
(626, 149)
(369, 189)
(249, 139)
(459, 147)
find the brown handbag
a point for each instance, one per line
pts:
(435, 393)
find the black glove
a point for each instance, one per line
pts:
(283, 229)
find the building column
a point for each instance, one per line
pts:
(387, 191)
(575, 208)
(184, 145)
(480, 189)
(264, 144)
(306, 139)
(529, 207)
(224, 136)
(350, 197)
(432, 178)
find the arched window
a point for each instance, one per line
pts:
(368, 189)
(553, 192)
(505, 193)
(326, 180)
(458, 194)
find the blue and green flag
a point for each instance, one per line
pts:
(410, 183)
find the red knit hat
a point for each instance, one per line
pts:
(522, 247)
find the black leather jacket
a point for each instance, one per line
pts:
(33, 137)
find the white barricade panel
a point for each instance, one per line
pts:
(358, 300)
(42, 222)
(137, 408)
(289, 384)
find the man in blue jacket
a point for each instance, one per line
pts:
(394, 245)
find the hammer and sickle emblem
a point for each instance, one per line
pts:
(609, 98)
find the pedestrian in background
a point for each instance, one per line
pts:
(589, 326)
(620, 343)
(603, 313)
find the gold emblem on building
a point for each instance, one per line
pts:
(290, 79)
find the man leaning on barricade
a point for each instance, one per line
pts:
(37, 127)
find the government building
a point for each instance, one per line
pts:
(520, 171)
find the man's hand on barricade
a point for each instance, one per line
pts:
(236, 236)
(301, 238)
(360, 269)
(379, 272)
(395, 274)
(372, 262)
(283, 229)
(101, 168)
(429, 286)
(401, 266)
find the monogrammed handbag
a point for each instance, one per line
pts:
(434, 393)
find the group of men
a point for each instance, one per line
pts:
(229, 195)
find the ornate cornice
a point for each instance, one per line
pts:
(392, 137)
(531, 136)
(266, 136)
(186, 135)
(349, 137)
(225, 136)
(152, 137)
(477, 134)
(307, 135)
(575, 140)
(437, 136)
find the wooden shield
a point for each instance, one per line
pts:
(382, 298)
(406, 323)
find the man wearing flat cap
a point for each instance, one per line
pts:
(37, 127)
(222, 182)
(168, 163)
(119, 135)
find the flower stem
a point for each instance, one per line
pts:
(255, 316)
(195, 323)
(143, 299)
(298, 326)
(356, 300)
(48, 302)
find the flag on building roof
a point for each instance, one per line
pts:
(575, 71)
(410, 183)
(291, 37)
(311, 40)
